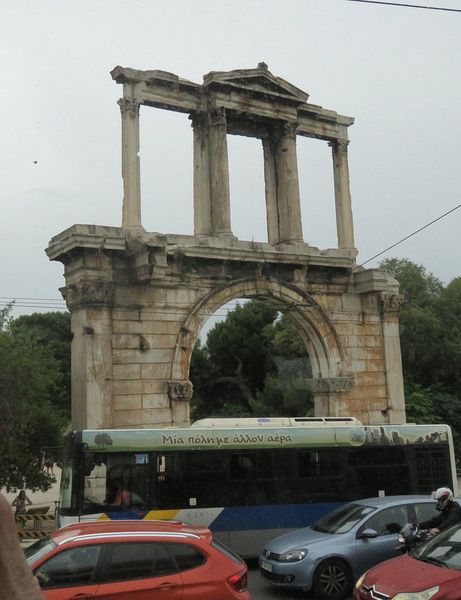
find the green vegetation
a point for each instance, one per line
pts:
(253, 364)
(33, 397)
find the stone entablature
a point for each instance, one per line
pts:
(249, 102)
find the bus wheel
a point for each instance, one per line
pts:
(332, 580)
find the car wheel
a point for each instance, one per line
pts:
(332, 580)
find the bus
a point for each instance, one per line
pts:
(248, 480)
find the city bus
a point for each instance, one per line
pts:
(248, 480)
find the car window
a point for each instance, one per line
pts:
(388, 521)
(138, 560)
(425, 511)
(444, 549)
(185, 556)
(343, 518)
(72, 567)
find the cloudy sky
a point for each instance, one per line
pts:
(395, 69)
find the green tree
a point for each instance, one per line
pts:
(51, 330)
(29, 421)
(249, 365)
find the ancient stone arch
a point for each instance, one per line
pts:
(139, 299)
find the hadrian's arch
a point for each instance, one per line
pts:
(139, 299)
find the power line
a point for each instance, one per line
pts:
(409, 236)
(458, 10)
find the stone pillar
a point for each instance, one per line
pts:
(270, 180)
(219, 174)
(90, 304)
(327, 393)
(390, 304)
(344, 221)
(131, 214)
(202, 205)
(286, 172)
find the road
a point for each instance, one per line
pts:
(260, 590)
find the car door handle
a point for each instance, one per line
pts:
(166, 586)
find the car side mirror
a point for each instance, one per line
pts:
(367, 534)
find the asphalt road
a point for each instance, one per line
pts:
(260, 590)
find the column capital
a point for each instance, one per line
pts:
(339, 145)
(218, 116)
(390, 303)
(199, 120)
(86, 294)
(130, 106)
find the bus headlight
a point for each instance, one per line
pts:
(293, 555)
(424, 595)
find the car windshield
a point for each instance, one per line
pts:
(343, 518)
(39, 549)
(443, 549)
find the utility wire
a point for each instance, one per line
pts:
(409, 236)
(458, 10)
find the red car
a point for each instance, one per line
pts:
(136, 560)
(432, 571)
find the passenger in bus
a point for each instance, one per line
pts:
(122, 496)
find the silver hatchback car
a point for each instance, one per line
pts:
(331, 554)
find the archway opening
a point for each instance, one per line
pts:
(251, 360)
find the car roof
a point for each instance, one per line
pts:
(107, 530)
(382, 501)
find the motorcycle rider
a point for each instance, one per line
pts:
(450, 512)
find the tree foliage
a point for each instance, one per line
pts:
(253, 364)
(30, 417)
(430, 334)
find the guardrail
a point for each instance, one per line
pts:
(35, 523)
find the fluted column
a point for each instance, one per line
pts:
(219, 173)
(131, 213)
(286, 171)
(202, 205)
(270, 181)
(344, 220)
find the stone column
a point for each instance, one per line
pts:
(131, 214)
(202, 205)
(286, 171)
(344, 221)
(270, 181)
(390, 305)
(219, 174)
(90, 304)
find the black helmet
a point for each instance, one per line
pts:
(443, 496)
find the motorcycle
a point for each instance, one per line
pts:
(411, 535)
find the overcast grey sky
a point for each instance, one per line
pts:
(396, 70)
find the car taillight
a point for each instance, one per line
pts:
(238, 581)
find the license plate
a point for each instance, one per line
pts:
(266, 566)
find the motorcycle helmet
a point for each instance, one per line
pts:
(443, 496)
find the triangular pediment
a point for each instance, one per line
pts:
(256, 80)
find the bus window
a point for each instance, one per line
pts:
(129, 471)
(189, 479)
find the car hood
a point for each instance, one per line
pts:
(408, 574)
(298, 539)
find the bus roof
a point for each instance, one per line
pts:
(254, 422)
